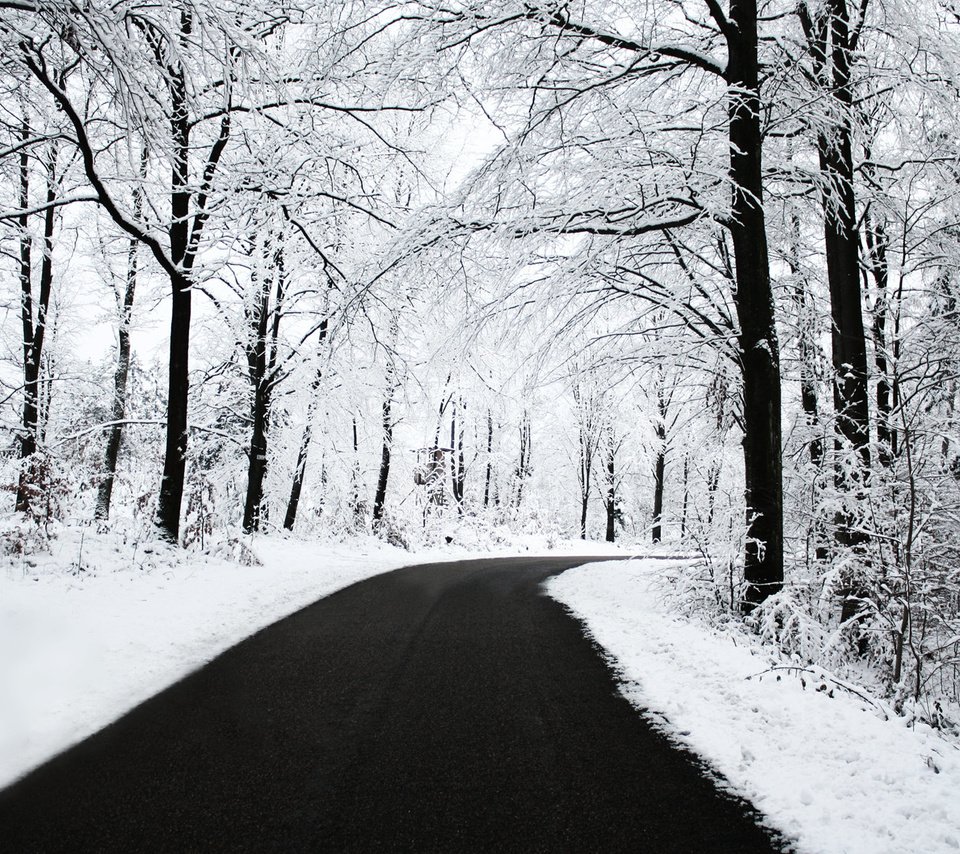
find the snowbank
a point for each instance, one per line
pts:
(97, 626)
(827, 770)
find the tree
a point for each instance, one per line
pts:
(125, 299)
(595, 58)
(588, 411)
(832, 42)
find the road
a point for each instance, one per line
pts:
(439, 708)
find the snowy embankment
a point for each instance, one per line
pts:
(95, 627)
(823, 765)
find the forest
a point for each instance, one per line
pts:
(677, 275)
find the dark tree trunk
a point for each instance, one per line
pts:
(759, 348)
(457, 474)
(489, 472)
(587, 436)
(257, 467)
(34, 329)
(586, 471)
(356, 503)
(828, 37)
(584, 502)
(261, 363)
(659, 473)
(660, 463)
(121, 372)
(293, 504)
(523, 466)
(28, 438)
(829, 40)
(380, 497)
(686, 497)
(178, 377)
(611, 502)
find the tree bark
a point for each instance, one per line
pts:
(296, 488)
(523, 467)
(686, 497)
(178, 375)
(121, 372)
(261, 363)
(457, 473)
(28, 435)
(178, 381)
(659, 474)
(759, 348)
(829, 39)
(809, 399)
(34, 328)
(611, 502)
(489, 472)
(293, 504)
(586, 470)
(830, 44)
(877, 242)
(380, 497)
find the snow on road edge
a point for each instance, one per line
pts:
(77, 652)
(827, 771)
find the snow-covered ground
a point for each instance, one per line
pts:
(824, 765)
(98, 625)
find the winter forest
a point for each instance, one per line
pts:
(678, 275)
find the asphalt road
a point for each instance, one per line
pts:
(440, 708)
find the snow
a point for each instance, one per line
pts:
(828, 771)
(98, 625)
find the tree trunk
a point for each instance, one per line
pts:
(806, 335)
(293, 504)
(122, 370)
(586, 470)
(659, 473)
(830, 45)
(457, 474)
(257, 467)
(34, 329)
(178, 376)
(877, 243)
(257, 366)
(759, 349)
(828, 37)
(523, 467)
(611, 503)
(290, 518)
(686, 497)
(489, 473)
(178, 381)
(28, 441)
(356, 502)
(379, 499)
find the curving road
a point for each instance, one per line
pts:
(439, 708)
